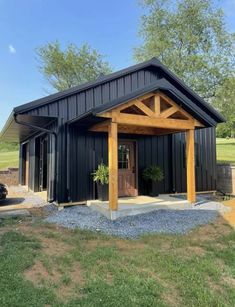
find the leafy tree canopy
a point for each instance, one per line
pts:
(64, 69)
(224, 101)
(189, 37)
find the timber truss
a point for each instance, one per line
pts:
(151, 114)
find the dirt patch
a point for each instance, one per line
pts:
(109, 278)
(38, 212)
(170, 294)
(210, 232)
(64, 288)
(230, 281)
(127, 246)
(189, 251)
(53, 247)
(38, 273)
(171, 297)
(214, 286)
(94, 244)
(124, 247)
(77, 274)
(75, 284)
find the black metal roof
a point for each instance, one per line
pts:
(170, 83)
(151, 63)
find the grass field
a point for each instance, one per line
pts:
(9, 159)
(225, 150)
(225, 153)
(44, 265)
(9, 155)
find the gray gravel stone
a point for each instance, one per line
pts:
(159, 221)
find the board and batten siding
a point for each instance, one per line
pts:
(79, 153)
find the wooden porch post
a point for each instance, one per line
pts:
(113, 166)
(190, 162)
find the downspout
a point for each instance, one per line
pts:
(20, 122)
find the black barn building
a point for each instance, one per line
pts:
(59, 148)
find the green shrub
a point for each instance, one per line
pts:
(101, 175)
(154, 173)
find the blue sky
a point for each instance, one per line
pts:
(108, 25)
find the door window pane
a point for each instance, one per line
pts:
(123, 157)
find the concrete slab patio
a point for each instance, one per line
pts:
(128, 206)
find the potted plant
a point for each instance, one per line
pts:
(101, 177)
(152, 174)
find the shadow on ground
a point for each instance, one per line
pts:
(12, 201)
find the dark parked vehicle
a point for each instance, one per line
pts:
(3, 191)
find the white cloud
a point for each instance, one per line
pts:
(11, 49)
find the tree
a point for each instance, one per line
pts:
(224, 101)
(64, 69)
(189, 37)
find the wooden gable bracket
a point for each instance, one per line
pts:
(152, 117)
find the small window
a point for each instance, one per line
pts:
(123, 157)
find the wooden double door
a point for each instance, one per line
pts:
(127, 168)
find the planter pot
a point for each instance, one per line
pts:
(103, 191)
(150, 188)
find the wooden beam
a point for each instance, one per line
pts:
(157, 105)
(100, 127)
(144, 108)
(145, 130)
(113, 165)
(198, 124)
(190, 162)
(141, 120)
(180, 109)
(169, 112)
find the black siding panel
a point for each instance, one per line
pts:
(31, 163)
(87, 150)
(205, 169)
(21, 165)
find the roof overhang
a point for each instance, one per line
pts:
(14, 132)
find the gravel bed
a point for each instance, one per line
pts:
(159, 221)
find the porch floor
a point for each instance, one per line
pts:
(139, 204)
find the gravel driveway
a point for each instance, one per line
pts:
(159, 221)
(18, 195)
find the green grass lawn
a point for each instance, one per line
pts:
(225, 150)
(43, 265)
(9, 159)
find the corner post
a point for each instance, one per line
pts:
(190, 162)
(113, 165)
